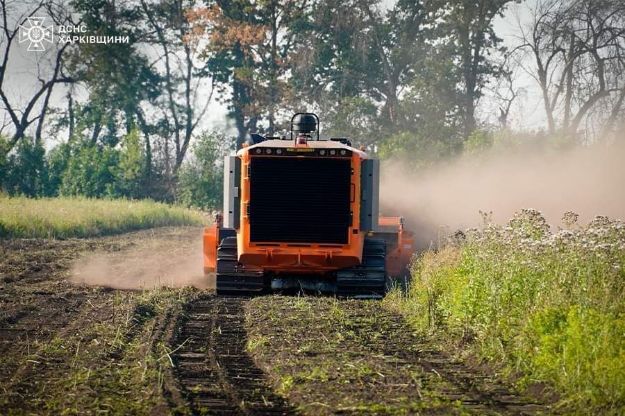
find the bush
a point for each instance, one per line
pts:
(200, 178)
(417, 148)
(90, 171)
(25, 169)
(479, 141)
(130, 173)
(58, 159)
(548, 305)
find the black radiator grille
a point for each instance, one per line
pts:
(300, 200)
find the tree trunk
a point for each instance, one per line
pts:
(274, 69)
(71, 116)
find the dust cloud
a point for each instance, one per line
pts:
(162, 261)
(587, 180)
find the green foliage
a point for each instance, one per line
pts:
(472, 41)
(25, 170)
(200, 178)
(353, 117)
(58, 160)
(550, 305)
(430, 128)
(90, 171)
(479, 141)
(80, 217)
(130, 172)
(82, 168)
(505, 141)
(582, 351)
(118, 77)
(402, 80)
(249, 51)
(4, 151)
(416, 147)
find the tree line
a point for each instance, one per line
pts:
(404, 79)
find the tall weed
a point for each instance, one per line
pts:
(548, 305)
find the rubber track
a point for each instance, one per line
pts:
(232, 281)
(369, 279)
(212, 367)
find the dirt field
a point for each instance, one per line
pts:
(68, 347)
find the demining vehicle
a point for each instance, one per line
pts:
(302, 213)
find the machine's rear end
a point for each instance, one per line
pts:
(301, 213)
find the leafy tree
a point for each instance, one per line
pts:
(355, 118)
(117, 76)
(474, 39)
(430, 126)
(4, 151)
(25, 170)
(479, 141)
(200, 178)
(183, 100)
(58, 159)
(417, 148)
(333, 54)
(90, 171)
(130, 172)
(248, 55)
(354, 52)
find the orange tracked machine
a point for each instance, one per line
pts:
(302, 213)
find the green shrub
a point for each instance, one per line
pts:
(581, 351)
(548, 305)
(25, 169)
(200, 179)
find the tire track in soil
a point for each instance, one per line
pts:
(35, 304)
(212, 368)
(357, 357)
(477, 392)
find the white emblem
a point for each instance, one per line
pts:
(36, 33)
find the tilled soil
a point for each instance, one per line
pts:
(354, 357)
(67, 348)
(213, 368)
(76, 349)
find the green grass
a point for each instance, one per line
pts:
(548, 306)
(81, 217)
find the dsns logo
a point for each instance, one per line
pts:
(35, 33)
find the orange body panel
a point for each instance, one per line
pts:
(400, 245)
(300, 258)
(210, 248)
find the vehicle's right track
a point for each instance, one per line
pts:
(367, 280)
(212, 368)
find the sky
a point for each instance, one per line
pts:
(24, 66)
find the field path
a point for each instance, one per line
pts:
(67, 347)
